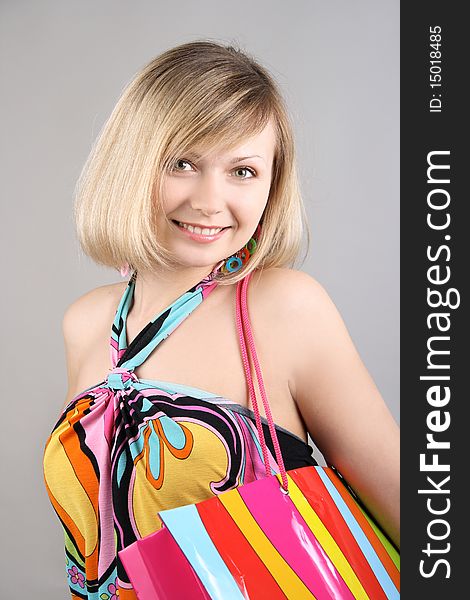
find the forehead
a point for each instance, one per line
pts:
(261, 144)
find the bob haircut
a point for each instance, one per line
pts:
(198, 94)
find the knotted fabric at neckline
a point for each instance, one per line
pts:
(120, 378)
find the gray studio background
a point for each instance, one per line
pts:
(63, 66)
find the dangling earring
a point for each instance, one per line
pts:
(125, 270)
(240, 258)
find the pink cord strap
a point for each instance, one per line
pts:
(243, 323)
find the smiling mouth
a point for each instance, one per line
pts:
(198, 229)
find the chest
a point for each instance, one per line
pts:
(204, 352)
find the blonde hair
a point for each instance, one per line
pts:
(197, 94)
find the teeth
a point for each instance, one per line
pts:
(198, 230)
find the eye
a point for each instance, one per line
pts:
(177, 164)
(247, 170)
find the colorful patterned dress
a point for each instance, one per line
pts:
(126, 448)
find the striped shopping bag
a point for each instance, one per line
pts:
(301, 534)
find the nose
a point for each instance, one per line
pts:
(208, 196)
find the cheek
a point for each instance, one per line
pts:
(170, 198)
(254, 208)
(252, 205)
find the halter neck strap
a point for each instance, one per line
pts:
(130, 357)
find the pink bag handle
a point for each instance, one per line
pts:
(243, 322)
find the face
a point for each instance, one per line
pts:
(214, 203)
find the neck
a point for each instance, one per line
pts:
(155, 290)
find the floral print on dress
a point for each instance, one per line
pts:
(113, 592)
(76, 577)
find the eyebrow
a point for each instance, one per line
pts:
(240, 158)
(233, 160)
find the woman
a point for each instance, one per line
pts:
(192, 183)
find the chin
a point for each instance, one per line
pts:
(191, 262)
(198, 257)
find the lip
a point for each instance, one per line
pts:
(201, 226)
(198, 237)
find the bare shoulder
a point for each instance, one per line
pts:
(300, 316)
(83, 322)
(289, 292)
(87, 313)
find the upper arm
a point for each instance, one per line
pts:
(339, 401)
(73, 337)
